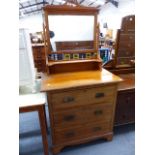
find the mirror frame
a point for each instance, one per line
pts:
(68, 10)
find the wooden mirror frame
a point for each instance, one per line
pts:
(69, 10)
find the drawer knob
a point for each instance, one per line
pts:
(130, 37)
(128, 100)
(98, 128)
(68, 99)
(70, 134)
(98, 112)
(69, 117)
(98, 95)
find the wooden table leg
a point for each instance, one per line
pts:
(42, 121)
(45, 119)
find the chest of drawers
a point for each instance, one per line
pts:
(39, 57)
(125, 51)
(125, 105)
(81, 112)
(125, 43)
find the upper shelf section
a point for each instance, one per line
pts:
(71, 34)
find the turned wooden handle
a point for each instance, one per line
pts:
(98, 112)
(98, 128)
(68, 99)
(70, 134)
(98, 95)
(69, 117)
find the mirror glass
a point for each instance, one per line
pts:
(71, 32)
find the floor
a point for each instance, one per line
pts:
(30, 142)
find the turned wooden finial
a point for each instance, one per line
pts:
(74, 2)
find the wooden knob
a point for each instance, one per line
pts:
(98, 112)
(99, 95)
(68, 99)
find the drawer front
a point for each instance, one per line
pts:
(68, 118)
(79, 116)
(126, 45)
(99, 112)
(82, 97)
(38, 52)
(67, 135)
(125, 52)
(40, 65)
(125, 108)
(127, 37)
(125, 61)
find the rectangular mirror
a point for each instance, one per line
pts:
(71, 32)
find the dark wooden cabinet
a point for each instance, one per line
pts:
(125, 107)
(39, 57)
(125, 103)
(125, 43)
(123, 64)
(80, 113)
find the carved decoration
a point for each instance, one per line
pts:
(71, 3)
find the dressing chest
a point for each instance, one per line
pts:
(81, 95)
(81, 106)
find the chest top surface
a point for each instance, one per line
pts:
(77, 79)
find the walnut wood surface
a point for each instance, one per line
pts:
(128, 82)
(125, 105)
(80, 103)
(125, 43)
(39, 57)
(64, 81)
(74, 45)
(81, 95)
(74, 66)
(70, 10)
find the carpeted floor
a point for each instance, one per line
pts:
(30, 142)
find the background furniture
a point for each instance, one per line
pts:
(39, 57)
(125, 43)
(26, 64)
(125, 105)
(123, 64)
(30, 103)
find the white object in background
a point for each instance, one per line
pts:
(32, 99)
(26, 64)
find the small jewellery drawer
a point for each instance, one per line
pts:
(80, 97)
(68, 135)
(125, 61)
(127, 37)
(127, 45)
(125, 52)
(79, 116)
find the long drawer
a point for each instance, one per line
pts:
(93, 113)
(125, 52)
(125, 61)
(127, 37)
(75, 98)
(68, 135)
(126, 45)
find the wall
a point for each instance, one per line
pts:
(34, 23)
(113, 16)
(108, 13)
